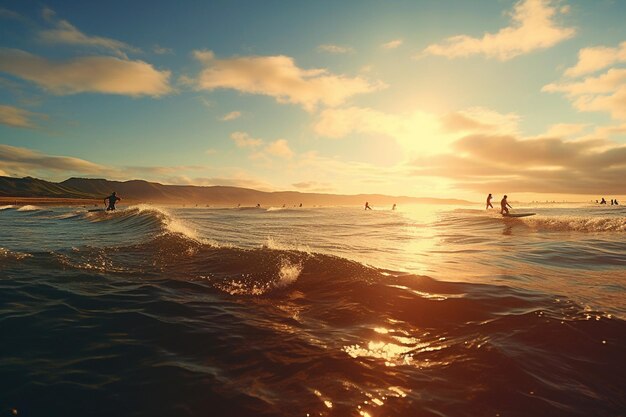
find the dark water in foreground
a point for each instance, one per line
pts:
(318, 312)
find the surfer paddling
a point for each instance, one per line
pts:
(112, 199)
(503, 206)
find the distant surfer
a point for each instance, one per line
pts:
(603, 201)
(503, 206)
(112, 199)
(393, 207)
(367, 206)
(489, 197)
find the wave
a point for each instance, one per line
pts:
(10, 206)
(576, 223)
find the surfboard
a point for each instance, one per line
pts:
(518, 214)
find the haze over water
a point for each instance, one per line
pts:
(427, 310)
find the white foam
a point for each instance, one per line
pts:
(6, 207)
(288, 274)
(28, 208)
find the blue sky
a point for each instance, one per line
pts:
(425, 98)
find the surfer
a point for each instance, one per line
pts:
(503, 206)
(489, 197)
(603, 201)
(394, 207)
(112, 200)
(367, 206)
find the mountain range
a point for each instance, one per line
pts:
(153, 192)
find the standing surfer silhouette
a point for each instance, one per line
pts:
(112, 200)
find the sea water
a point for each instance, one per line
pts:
(327, 311)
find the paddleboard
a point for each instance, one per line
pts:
(518, 214)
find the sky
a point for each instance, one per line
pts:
(402, 97)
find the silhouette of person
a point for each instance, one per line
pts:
(300, 205)
(394, 206)
(612, 203)
(489, 197)
(503, 206)
(616, 203)
(367, 206)
(112, 200)
(603, 201)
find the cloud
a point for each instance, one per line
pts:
(532, 27)
(160, 50)
(565, 129)
(335, 49)
(279, 148)
(480, 119)
(393, 44)
(66, 33)
(279, 77)
(243, 180)
(16, 117)
(230, 116)
(487, 163)
(22, 161)
(606, 92)
(244, 140)
(416, 131)
(596, 58)
(9, 14)
(313, 186)
(98, 74)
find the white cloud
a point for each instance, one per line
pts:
(613, 103)
(66, 33)
(335, 49)
(596, 58)
(244, 140)
(161, 50)
(99, 74)
(604, 83)
(231, 116)
(606, 92)
(16, 117)
(279, 148)
(393, 44)
(532, 27)
(279, 77)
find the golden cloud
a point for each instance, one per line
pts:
(279, 77)
(16, 117)
(532, 27)
(99, 74)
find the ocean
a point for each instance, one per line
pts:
(315, 311)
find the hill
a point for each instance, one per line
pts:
(153, 192)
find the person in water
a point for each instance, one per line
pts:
(489, 197)
(367, 206)
(503, 206)
(112, 200)
(603, 201)
(394, 206)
